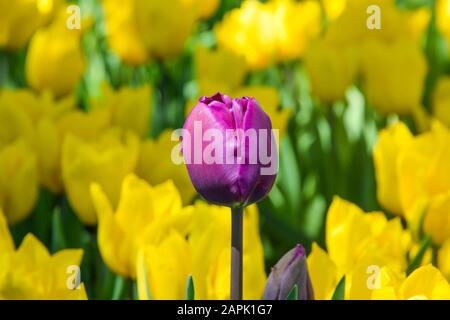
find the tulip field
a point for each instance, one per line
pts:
(224, 149)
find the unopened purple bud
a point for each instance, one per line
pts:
(289, 271)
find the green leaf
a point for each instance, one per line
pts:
(293, 294)
(190, 290)
(119, 286)
(339, 292)
(417, 260)
(58, 239)
(41, 219)
(289, 177)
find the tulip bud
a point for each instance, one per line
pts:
(229, 150)
(290, 270)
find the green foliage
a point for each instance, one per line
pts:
(190, 290)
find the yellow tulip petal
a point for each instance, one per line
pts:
(426, 282)
(123, 35)
(437, 218)
(18, 181)
(168, 267)
(130, 108)
(155, 165)
(346, 233)
(106, 161)
(444, 259)
(110, 236)
(323, 273)
(441, 99)
(390, 143)
(394, 75)
(6, 240)
(60, 47)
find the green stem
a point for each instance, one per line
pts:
(119, 286)
(237, 219)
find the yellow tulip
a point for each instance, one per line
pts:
(348, 37)
(425, 283)
(21, 18)
(441, 101)
(210, 244)
(387, 284)
(138, 30)
(364, 278)
(208, 7)
(323, 273)
(248, 32)
(416, 22)
(391, 142)
(50, 133)
(412, 176)
(164, 29)
(212, 70)
(439, 171)
(105, 161)
(14, 123)
(206, 256)
(44, 122)
(334, 8)
(155, 165)
(18, 180)
(31, 272)
(297, 23)
(37, 106)
(168, 265)
(350, 234)
(85, 125)
(394, 76)
(350, 28)
(265, 33)
(44, 112)
(370, 252)
(412, 170)
(444, 259)
(55, 60)
(213, 76)
(443, 17)
(130, 107)
(346, 233)
(122, 31)
(437, 218)
(331, 69)
(144, 216)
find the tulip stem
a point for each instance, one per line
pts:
(237, 219)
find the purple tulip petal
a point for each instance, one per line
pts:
(228, 183)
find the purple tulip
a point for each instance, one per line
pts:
(229, 150)
(290, 270)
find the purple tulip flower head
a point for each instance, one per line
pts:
(229, 149)
(289, 271)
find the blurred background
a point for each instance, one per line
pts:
(90, 92)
